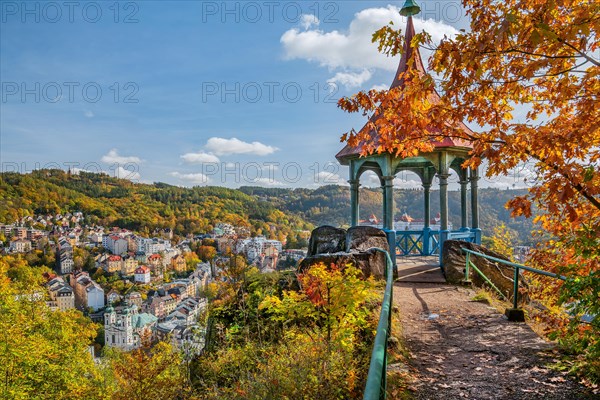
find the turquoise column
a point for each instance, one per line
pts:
(427, 204)
(474, 178)
(463, 202)
(443, 201)
(427, 218)
(388, 202)
(443, 176)
(354, 201)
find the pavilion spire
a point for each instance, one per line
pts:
(410, 8)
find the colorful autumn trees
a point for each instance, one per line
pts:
(528, 74)
(43, 354)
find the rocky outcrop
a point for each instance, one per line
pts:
(326, 239)
(331, 245)
(362, 238)
(501, 275)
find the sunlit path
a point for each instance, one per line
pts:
(461, 349)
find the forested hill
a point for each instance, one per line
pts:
(331, 205)
(271, 211)
(140, 207)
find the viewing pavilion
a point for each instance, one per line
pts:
(447, 155)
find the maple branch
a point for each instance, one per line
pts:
(584, 55)
(529, 53)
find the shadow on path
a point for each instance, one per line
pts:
(462, 349)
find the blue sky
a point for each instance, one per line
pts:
(193, 92)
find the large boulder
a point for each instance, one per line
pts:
(326, 239)
(331, 245)
(370, 262)
(501, 275)
(362, 238)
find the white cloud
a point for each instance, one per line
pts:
(113, 157)
(222, 146)
(192, 178)
(330, 178)
(266, 182)
(401, 183)
(123, 173)
(380, 87)
(88, 114)
(351, 79)
(200, 157)
(309, 20)
(353, 49)
(370, 179)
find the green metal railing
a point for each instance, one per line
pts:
(376, 380)
(469, 264)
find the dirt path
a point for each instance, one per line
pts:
(462, 349)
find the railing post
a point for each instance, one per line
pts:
(516, 289)
(467, 267)
(477, 234)
(427, 241)
(515, 314)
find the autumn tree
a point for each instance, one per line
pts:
(206, 253)
(501, 241)
(527, 72)
(43, 353)
(148, 372)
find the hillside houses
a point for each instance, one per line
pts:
(88, 294)
(64, 256)
(62, 296)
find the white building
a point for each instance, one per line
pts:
(126, 329)
(257, 247)
(96, 237)
(88, 294)
(142, 275)
(20, 246)
(66, 264)
(115, 244)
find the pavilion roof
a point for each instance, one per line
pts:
(355, 151)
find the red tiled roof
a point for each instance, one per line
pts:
(351, 152)
(142, 270)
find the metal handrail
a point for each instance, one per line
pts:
(516, 266)
(376, 385)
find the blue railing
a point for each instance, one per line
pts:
(428, 242)
(417, 243)
(376, 386)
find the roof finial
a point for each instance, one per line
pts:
(409, 8)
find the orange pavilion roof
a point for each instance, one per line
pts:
(352, 152)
